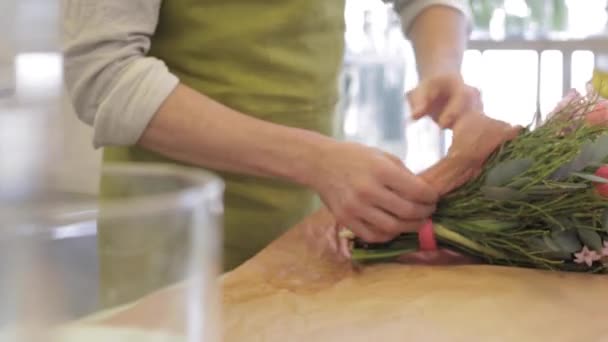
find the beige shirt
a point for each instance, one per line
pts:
(115, 87)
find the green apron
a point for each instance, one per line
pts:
(277, 60)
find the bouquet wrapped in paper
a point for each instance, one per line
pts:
(540, 200)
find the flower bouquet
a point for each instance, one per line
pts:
(540, 200)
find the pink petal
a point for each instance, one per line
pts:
(591, 257)
(586, 256)
(579, 257)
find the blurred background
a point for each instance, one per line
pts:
(523, 55)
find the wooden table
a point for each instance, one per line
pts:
(296, 290)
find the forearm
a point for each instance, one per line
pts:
(193, 128)
(439, 36)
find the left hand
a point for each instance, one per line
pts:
(476, 137)
(445, 98)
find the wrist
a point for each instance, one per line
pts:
(442, 69)
(306, 157)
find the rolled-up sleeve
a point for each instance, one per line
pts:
(409, 9)
(114, 86)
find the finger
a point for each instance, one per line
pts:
(410, 187)
(413, 226)
(514, 132)
(332, 237)
(390, 202)
(363, 231)
(456, 107)
(382, 222)
(417, 100)
(422, 98)
(342, 243)
(395, 159)
(477, 103)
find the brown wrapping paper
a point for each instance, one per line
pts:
(297, 291)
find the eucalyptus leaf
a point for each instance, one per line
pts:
(547, 248)
(562, 172)
(605, 220)
(551, 244)
(496, 193)
(600, 149)
(564, 224)
(590, 177)
(567, 240)
(584, 157)
(590, 238)
(506, 171)
(520, 182)
(591, 153)
(492, 225)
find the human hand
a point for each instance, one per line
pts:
(370, 192)
(475, 137)
(445, 98)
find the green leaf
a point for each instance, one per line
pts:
(590, 177)
(551, 244)
(555, 250)
(605, 220)
(520, 182)
(592, 153)
(562, 172)
(492, 225)
(502, 194)
(560, 228)
(600, 149)
(567, 240)
(547, 248)
(590, 238)
(584, 157)
(506, 171)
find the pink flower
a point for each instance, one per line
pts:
(598, 115)
(586, 256)
(605, 249)
(570, 96)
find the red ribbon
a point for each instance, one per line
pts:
(426, 237)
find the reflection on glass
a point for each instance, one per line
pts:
(69, 261)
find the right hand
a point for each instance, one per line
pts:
(370, 192)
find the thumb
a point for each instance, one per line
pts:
(456, 106)
(422, 98)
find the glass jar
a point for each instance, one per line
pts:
(69, 259)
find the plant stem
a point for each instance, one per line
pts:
(449, 235)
